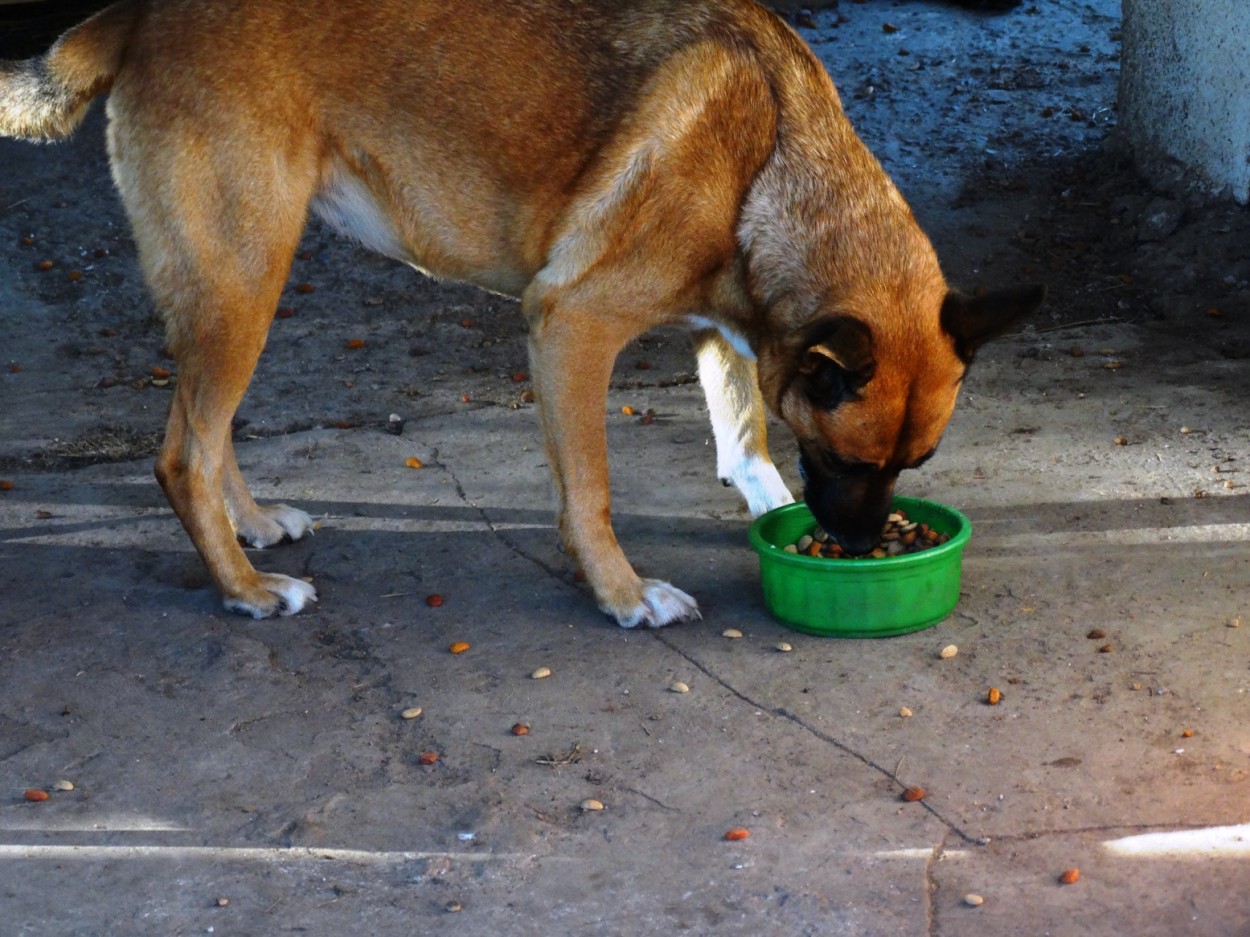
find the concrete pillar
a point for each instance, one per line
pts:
(1185, 93)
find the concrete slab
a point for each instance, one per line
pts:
(267, 763)
(241, 777)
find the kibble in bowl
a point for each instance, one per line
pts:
(907, 584)
(899, 537)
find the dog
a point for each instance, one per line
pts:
(617, 165)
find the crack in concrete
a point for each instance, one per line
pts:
(825, 737)
(499, 535)
(655, 800)
(952, 827)
(931, 886)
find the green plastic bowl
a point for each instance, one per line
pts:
(860, 598)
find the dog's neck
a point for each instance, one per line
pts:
(822, 223)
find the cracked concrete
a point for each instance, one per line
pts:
(266, 762)
(257, 777)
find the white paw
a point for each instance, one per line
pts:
(662, 604)
(295, 522)
(277, 522)
(282, 596)
(760, 484)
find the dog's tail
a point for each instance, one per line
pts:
(46, 98)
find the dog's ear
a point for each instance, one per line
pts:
(837, 361)
(973, 320)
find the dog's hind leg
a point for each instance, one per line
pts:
(255, 524)
(216, 219)
(731, 387)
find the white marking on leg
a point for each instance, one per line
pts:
(293, 593)
(735, 340)
(736, 411)
(760, 484)
(293, 521)
(662, 604)
(270, 524)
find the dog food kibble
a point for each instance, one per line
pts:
(679, 687)
(35, 796)
(784, 647)
(427, 758)
(1070, 876)
(948, 652)
(731, 633)
(458, 647)
(64, 785)
(899, 536)
(590, 805)
(434, 601)
(973, 901)
(411, 712)
(520, 728)
(737, 834)
(994, 696)
(913, 794)
(904, 712)
(541, 673)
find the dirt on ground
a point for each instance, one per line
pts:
(258, 777)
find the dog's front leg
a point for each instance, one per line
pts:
(571, 358)
(731, 386)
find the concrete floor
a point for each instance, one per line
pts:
(257, 778)
(266, 764)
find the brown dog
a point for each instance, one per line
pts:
(617, 164)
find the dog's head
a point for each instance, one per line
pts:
(870, 398)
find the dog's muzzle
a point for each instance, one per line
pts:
(851, 505)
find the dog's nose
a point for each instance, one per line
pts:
(856, 544)
(855, 535)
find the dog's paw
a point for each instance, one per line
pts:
(275, 595)
(274, 523)
(760, 484)
(662, 604)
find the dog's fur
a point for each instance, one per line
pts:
(617, 164)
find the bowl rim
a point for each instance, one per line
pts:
(860, 565)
